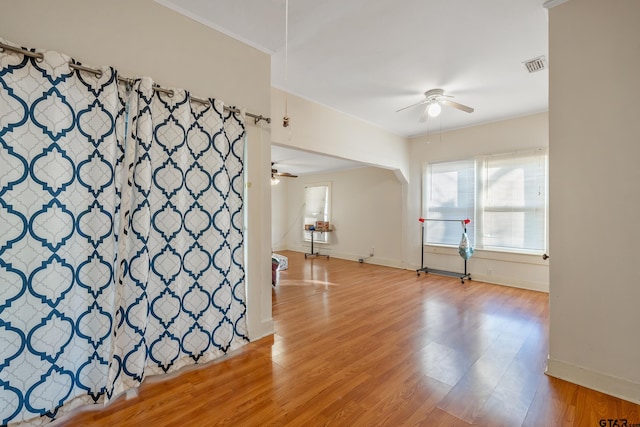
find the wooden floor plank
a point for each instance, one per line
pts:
(364, 345)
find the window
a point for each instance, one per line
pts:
(514, 208)
(317, 208)
(450, 195)
(505, 196)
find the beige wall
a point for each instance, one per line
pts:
(321, 129)
(594, 59)
(366, 212)
(367, 203)
(142, 38)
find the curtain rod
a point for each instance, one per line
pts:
(127, 80)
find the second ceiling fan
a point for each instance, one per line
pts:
(274, 173)
(433, 102)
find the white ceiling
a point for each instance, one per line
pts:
(369, 58)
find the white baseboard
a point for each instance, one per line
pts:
(396, 263)
(496, 280)
(266, 329)
(521, 284)
(328, 250)
(385, 262)
(618, 387)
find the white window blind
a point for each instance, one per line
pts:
(513, 214)
(317, 208)
(450, 195)
(504, 195)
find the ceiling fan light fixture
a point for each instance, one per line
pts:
(274, 180)
(434, 100)
(434, 109)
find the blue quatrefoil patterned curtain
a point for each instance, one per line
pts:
(121, 244)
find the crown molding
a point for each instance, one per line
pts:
(553, 3)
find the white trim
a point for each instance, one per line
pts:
(553, 3)
(199, 19)
(395, 263)
(617, 387)
(266, 329)
(510, 282)
(488, 254)
(493, 279)
(326, 250)
(360, 119)
(384, 262)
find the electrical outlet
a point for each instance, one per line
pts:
(489, 271)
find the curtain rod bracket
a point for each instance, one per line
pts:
(257, 119)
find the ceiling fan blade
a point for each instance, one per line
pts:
(456, 105)
(412, 105)
(285, 174)
(424, 115)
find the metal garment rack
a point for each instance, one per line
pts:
(312, 253)
(424, 269)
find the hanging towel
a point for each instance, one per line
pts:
(465, 249)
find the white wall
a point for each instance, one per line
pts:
(142, 38)
(526, 271)
(323, 130)
(280, 214)
(594, 59)
(366, 212)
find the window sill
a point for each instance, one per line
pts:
(491, 254)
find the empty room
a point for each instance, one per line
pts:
(298, 213)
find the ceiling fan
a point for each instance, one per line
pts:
(275, 174)
(434, 100)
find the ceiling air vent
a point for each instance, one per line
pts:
(536, 64)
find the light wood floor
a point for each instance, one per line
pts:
(363, 345)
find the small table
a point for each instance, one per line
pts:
(312, 253)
